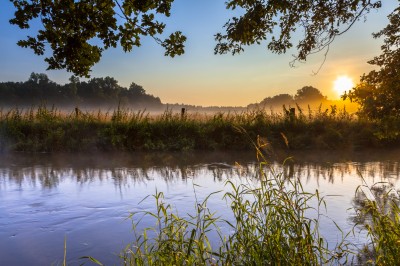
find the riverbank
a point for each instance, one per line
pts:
(50, 130)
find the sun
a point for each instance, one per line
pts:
(342, 84)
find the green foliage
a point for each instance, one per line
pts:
(174, 240)
(320, 23)
(270, 227)
(379, 214)
(69, 28)
(378, 92)
(78, 32)
(45, 129)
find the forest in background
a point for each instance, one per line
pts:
(94, 93)
(107, 93)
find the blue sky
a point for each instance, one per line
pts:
(199, 77)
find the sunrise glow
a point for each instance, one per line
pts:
(342, 84)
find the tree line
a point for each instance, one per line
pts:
(69, 26)
(39, 89)
(106, 92)
(305, 95)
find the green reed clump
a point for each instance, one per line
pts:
(174, 240)
(271, 226)
(379, 213)
(272, 222)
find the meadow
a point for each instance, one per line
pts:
(44, 129)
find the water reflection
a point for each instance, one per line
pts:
(45, 197)
(49, 173)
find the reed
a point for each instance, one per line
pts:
(174, 240)
(270, 227)
(378, 213)
(275, 222)
(45, 129)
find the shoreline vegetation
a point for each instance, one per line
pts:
(271, 215)
(105, 93)
(271, 225)
(45, 129)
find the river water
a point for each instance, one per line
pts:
(85, 199)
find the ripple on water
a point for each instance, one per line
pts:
(88, 205)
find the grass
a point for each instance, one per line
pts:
(271, 219)
(45, 129)
(271, 227)
(378, 213)
(174, 240)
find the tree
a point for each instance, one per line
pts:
(39, 85)
(72, 86)
(277, 100)
(321, 21)
(38, 78)
(96, 92)
(309, 94)
(136, 89)
(70, 26)
(378, 93)
(100, 89)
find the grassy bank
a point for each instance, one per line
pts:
(47, 129)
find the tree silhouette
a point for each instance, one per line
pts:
(39, 89)
(309, 94)
(277, 100)
(69, 26)
(378, 93)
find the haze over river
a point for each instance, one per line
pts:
(86, 198)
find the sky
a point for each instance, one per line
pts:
(199, 77)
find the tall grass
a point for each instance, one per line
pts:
(48, 129)
(378, 213)
(275, 222)
(174, 240)
(271, 226)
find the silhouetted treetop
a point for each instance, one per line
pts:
(277, 100)
(309, 93)
(38, 79)
(378, 92)
(305, 95)
(320, 22)
(70, 26)
(136, 89)
(94, 92)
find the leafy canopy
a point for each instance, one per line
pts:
(78, 31)
(378, 93)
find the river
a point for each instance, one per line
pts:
(85, 199)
